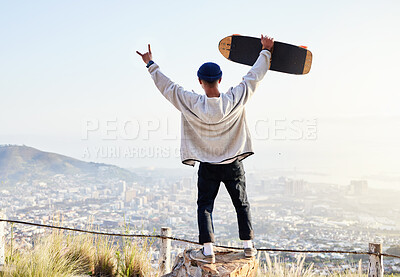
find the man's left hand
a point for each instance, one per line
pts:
(146, 56)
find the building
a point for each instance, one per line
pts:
(358, 187)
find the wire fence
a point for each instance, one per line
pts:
(193, 242)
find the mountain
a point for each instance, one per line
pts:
(24, 164)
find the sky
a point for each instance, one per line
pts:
(71, 82)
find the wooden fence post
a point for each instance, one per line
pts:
(2, 240)
(375, 260)
(165, 251)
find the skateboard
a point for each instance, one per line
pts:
(285, 58)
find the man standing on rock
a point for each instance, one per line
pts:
(215, 133)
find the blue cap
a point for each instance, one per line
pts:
(209, 72)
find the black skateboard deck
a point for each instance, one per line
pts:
(285, 58)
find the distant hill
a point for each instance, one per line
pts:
(23, 163)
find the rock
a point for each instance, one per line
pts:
(227, 263)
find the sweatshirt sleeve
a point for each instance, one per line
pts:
(243, 91)
(182, 100)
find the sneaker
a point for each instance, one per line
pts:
(199, 256)
(250, 252)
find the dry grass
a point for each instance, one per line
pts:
(275, 268)
(134, 259)
(105, 262)
(54, 255)
(60, 254)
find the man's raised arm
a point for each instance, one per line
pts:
(180, 98)
(250, 81)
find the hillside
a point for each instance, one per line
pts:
(24, 164)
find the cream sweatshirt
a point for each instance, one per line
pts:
(214, 129)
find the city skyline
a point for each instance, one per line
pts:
(288, 213)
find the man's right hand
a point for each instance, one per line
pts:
(267, 43)
(146, 56)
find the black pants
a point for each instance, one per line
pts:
(209, 178)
